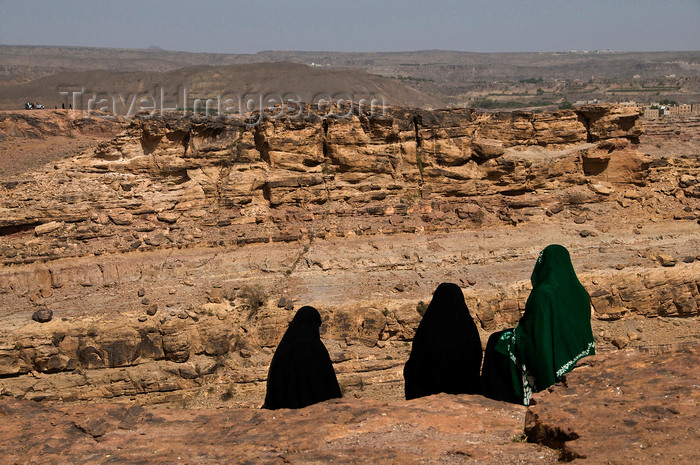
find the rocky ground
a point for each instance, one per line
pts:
(621, 408)
(169, 259)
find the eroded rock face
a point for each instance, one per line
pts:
(168, 177)
(622, 408)
(166, 252)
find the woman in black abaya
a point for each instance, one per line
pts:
(496, 376)
(446, 351)
(301, 372)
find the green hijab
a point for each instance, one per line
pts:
(555, 331)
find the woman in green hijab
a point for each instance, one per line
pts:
(553, 334)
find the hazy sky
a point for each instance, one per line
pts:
(356, 25)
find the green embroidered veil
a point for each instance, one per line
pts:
(555, 331)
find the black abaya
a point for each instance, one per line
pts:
(446, 351)
(496, 379)
(301, 372)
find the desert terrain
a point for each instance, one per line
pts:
(150, 267)
(428, 79)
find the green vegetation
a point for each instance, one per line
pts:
(565, 105)
(411, 78)
(668, 102)
(492, 104)
(532, 80)
(646, 89)
(419, 162)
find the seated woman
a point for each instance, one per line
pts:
(496, 377)
(553, 334)
(446, 351)
(301, 372)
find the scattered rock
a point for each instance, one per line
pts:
(556, 208)
(399, 288)
(122, 219)
(215, 295)
(620, 266)
(192, 314)
(145, 301)
(666, 260)
(141, 292)
(602, 188)
(282, 302)
(168, 217)
(687, 180)
(143, 318)
(102, 219)
(152, 309)
(470, 212)
(688, 259)
(47, 228)
(245, 352)
(188, 371)
(42, 315)
(620, 341)
(155, 241)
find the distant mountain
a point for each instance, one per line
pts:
(421, 78)
(279, 81)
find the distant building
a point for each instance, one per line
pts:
(679, 110)
(651, 113)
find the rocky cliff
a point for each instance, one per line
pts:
(172, 255)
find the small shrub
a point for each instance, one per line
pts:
(253, 297)
(566, 105)
(227, 395)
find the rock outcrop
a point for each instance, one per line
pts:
(173, 255)
(623, 408)
(616, 408)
